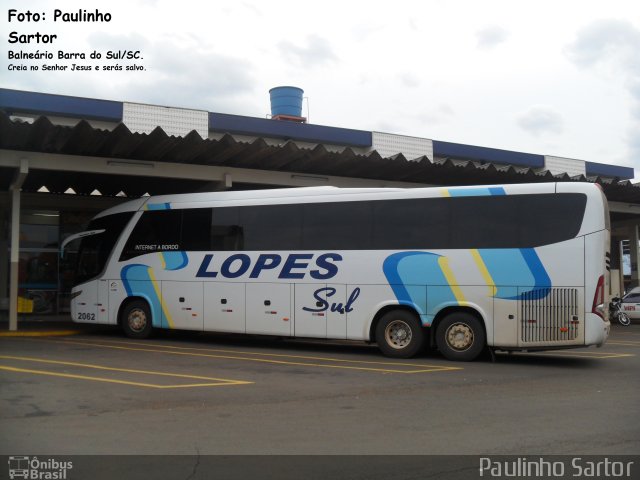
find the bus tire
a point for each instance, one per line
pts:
(136, 319)
(460, 337)
(399, 334)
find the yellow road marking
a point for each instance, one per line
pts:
(233, 356)
(108, 380)
(628, 343)
(100, 367)
(212, 381)
(280, 355)
(581, 355)
(27, 333)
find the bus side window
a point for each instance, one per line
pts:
(226, 232)
(271, 227)
(344, 226)
(484, 222)
(550, 218)
(196, 224)
(226, 238)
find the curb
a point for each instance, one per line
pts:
(50, 333)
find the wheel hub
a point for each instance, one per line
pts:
(137, 320)
(459, 336)
(398, 334)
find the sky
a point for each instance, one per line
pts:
(557, 77)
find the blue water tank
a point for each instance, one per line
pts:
(286, 101)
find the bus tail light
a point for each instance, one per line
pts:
(598, 299)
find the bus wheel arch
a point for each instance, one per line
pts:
(135, 317)
(460, 333)
(398, 332)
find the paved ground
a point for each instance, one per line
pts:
(98, 393)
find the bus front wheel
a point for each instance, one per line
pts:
(460, 337)
(399, 334)
(136, 319)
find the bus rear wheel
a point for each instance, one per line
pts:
(460, 337)
(399, 334)
(136, 319)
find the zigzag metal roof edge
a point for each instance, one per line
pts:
(35, 103)
(84, 140)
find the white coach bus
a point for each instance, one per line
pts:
(513, 267)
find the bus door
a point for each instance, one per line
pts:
(268, 308)
(102, 302)
(117, 295)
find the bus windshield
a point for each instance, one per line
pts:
(94, 250)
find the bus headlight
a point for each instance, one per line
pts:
(75, 294)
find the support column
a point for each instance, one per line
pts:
(633, 248)
(4, 250)
(15, 187)
(14, 259)
(617, 276)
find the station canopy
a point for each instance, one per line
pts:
(82, 140)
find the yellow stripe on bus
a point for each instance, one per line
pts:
(156, 287)
(451, 279)
(484, 271)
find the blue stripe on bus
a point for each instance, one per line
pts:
(137, 282)
(542, 281)
(476, 192)
(158, 206)
(174, 260)
(409, 273)
(520, 267)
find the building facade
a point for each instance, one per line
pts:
(63, 159)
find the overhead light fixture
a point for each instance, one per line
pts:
(310, 178)
(45, 214)
(118, 163)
